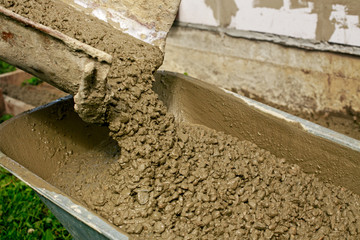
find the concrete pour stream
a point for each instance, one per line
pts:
(170, 180)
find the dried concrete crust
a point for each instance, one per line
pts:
(90, 92)
(146, 20)
(164, 179)
(83, 69)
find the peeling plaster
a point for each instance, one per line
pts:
(223, 10)
(332, 21)
(294, 4)
(326, 24)
(324, 27)
(275, 4)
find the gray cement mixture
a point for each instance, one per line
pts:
(178, 181)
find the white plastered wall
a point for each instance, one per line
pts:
(301, 21)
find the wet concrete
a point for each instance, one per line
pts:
(85, 157)
(168, 179)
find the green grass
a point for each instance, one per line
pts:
(34, 81)
(23, 215)
(5, 117)
(5, 67)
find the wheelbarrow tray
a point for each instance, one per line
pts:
(32, 143)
